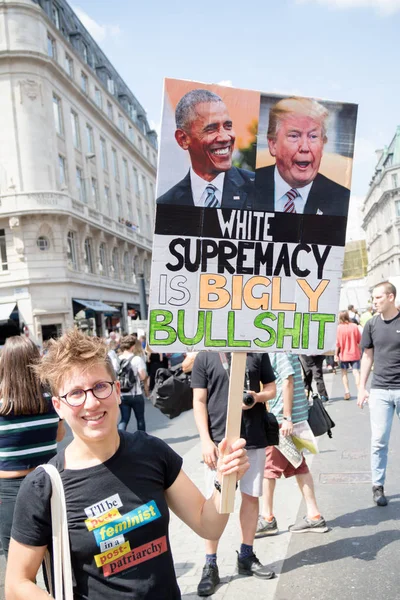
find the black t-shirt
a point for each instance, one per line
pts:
(117, 520)
(208, 373)
(384, 338)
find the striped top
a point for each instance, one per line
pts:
(284, 365)
(27, 441)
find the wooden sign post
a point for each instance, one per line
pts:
(233, 422)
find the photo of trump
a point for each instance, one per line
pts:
(205, 130)
(296, 137)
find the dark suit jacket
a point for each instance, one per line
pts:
(325, 195)
(238, 190)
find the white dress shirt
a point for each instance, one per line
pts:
(281, 189)
(199, 187)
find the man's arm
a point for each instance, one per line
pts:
(287, 395)
(366, 365)
(208, 448)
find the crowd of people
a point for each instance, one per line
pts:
(120, 486)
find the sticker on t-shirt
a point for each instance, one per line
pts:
(108, 544)
(136, 556)
(111, 555)
(103, 506)
(132, 520)
(95, 522)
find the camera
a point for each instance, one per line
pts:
(248, 399)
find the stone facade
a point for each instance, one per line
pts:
(381, 217)
(77, 173)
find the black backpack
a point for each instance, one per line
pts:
(126, 375)
(319, 419)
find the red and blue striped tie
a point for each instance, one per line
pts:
(290, 206)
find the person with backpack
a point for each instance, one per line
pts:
(131, 372)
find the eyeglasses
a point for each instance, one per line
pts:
(101, 391)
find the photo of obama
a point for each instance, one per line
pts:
(205, 130)
(297, 134)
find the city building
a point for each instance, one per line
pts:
(381, 216)
(77, 179)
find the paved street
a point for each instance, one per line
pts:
(355, 560)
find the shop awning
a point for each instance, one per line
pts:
(96, 305)
(6, 310)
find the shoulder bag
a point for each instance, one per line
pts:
(61, 585)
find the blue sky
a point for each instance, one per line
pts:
(343, 50)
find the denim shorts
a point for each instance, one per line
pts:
(346, 364)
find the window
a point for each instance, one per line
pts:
(98, 98)
(148, 153)
(103, 152)
(103, 267)
(119, 206)
(56, 16)
(141, 145)
(43, 243)
(88, 256)
(84, 83)
(127, 267)
(397, 205)
(136, 181)
(62, 170)
(135, 268)
(115, 164)
(57, 115)
(69, 65)
(110, 85)
(115, 263)
(95, 195)
(76, 138)
(126, 173)
(121, 123)
(89, 138)
(51, 47)
(154, 159)
(107, 197)
(3, 250)
(144, 188)
(85, 53)
(71, 251)
(110, 111)
(139, 215)
(394, 180)
(148, 226)
(130, 211)
(152, 198)
(80, 185)
(131, 134)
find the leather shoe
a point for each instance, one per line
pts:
(252, 566)
(209, 580)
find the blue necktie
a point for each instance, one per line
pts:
(211, 200)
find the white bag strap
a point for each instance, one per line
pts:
(61, 550)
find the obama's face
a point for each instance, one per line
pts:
(209, 139)
(298, 148)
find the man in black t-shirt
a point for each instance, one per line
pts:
(381, 344)
(210, 383)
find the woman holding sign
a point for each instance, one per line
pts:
(118, 487)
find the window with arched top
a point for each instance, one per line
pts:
(127, 268)
(103, 266)
(115, 263)
(71, 251)
(135, 270)
(88, 253)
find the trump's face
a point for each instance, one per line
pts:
(298, 149)
(209, 139)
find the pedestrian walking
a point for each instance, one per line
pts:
(210, 383)
(348, 351)
(119, 487)
(132, 369)
(381, 344)
(29, 425)
(312, 368)
(289, 406)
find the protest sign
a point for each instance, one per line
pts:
(252, 199)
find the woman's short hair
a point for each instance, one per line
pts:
(20, 388)
(344, 316)
(73, 350)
